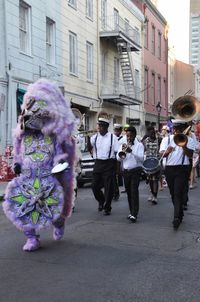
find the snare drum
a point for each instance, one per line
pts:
(151, 165)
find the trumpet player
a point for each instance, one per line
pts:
(177, 150)
(132, 155)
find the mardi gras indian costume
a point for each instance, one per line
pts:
(42, 192)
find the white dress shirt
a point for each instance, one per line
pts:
(101, 148)
(176, 157)
(135, 158)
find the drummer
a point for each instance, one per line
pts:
(152, 145)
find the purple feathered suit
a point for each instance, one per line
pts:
(37, 198)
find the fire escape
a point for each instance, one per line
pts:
(125, 39)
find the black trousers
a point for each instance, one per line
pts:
(103, 177)
(177, 180)
(132, 181)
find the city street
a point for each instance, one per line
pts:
(107, 258)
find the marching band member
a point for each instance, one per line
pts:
(104, 148)
(132, 156)
(151, 144)
(118, 180)
(177, 168)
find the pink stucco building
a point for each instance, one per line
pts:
(155, 63)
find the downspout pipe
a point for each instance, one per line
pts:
(9, 81)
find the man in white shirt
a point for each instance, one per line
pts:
(118, 180)
(132, 156)
(177, 168)
(104, 148)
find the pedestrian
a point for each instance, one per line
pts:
(132, 155)
(104, 148)
(42, 193)
(151, 145)
(177, 168)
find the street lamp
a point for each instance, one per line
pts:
(158, 108)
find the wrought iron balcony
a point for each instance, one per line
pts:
(115, 92)
(117, 29)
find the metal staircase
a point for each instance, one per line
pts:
(126, 66)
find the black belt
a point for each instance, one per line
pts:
(133, 170)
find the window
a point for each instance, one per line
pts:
(73, 54)
(116, 75)
(159, 89)
(103, 67)
(89, 52)
(137, 84)
(89, 9)
(153, 39)
(159, 45)
(104, 13)
(146, 85)
(72, 3)
(127, 26)
(146, 33)
(165, 92)
(50, 41)
(116, 19)
(165, 50)
(25, 27)
(153, 88)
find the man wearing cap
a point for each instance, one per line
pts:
(132, 155)
(177, 168)
(104, 148)
(118, 180)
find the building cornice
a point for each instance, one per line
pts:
(133, 9)
(155, 11)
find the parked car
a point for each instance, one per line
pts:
(87, 165)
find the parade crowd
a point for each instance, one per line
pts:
(46, 163)
(169, 158)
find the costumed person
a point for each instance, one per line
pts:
(132, 155)
(104, 148)
(44, 151)
(178, 152)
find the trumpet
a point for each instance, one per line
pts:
(185, 107)
(125, 147)
(181, 139)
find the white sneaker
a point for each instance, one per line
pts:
(150, 198)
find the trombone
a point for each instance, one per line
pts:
(181, 139)
(88, 132)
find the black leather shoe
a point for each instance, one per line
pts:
(176, 222)
(101, 206)
(107, 213)
(133, 219)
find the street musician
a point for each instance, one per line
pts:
(132, 155)
(178, 151)
(104, 146)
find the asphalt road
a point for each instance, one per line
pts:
(107, 258)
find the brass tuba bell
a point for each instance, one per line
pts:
(185, 107)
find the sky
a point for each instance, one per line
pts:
(176, 12)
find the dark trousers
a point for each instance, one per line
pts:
(177, 180)
(132, 181)
(103, 177)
